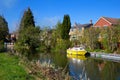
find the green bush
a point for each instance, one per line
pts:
(2, 46)
(62, 46)
(28, 41)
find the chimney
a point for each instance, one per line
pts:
(91, 22)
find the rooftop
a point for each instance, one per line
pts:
(112, 20)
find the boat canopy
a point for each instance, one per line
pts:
(78, 48)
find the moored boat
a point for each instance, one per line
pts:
(77, 57)
(78, 51)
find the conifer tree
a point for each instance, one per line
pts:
(27, 19)
(65, 28)
(28, 39)
(4, 31)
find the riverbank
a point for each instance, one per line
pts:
(45, 71)
(10, 69)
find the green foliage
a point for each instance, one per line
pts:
(3, 28)
(65, 28)
(50, 38)
(1, 46)
(61, 46)
(59, 29)
(28, 41)
(10, 68)
(118, 51)
(107, 37)
(4, 31)
(110, 37)
(58, 44)
(45, 36)
(27, 20)
(56, 34)
(91, 38)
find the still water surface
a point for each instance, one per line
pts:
(82, 68)
(93, 69)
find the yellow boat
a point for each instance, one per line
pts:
(78, 51)
(77, 57)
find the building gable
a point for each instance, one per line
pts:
(102, 22)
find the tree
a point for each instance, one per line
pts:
(4, 31)
(28, 39)
(46, 40)
(58, 44)
(110, 38)
(27, 20)
(58, 29)
(65, 28)
(91, 38)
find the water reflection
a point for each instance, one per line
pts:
(81, 68)
(77, 67)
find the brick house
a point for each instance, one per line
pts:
(106, 21)
(77, 30)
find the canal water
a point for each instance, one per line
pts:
(82, 68)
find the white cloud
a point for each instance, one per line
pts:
(7, 3)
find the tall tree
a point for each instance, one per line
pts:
(58, 29)
(27, 20)
(3, 28)
(65, 28)
(28, 40)
(4, 31)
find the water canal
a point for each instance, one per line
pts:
(82, 68)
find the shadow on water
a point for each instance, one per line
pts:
(58, 60)
(81, 68)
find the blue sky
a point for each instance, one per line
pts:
(48, 12)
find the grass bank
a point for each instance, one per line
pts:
(10, 68)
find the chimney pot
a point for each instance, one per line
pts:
(90, 21)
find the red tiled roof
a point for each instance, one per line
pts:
(112, 20)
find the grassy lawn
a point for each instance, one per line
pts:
(10, 68)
